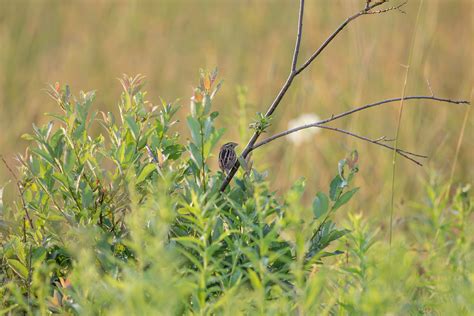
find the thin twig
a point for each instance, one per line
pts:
(364, 107)
(401, 152)
(327, 41)
(298, 37)
(365, 11)
(375, 4)
(397, 7)
(370, 105)
(384, 139)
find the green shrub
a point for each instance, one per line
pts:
(131, 220)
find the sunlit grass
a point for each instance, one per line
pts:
(89, 44)
(133, 222)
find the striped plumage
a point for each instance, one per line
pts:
(227, 157)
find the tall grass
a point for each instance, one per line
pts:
(86, 44)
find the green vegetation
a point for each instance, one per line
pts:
(88, 46)
(131, 221)
(117, 209)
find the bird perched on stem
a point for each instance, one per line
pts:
(227, 157)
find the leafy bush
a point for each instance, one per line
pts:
(130, 220)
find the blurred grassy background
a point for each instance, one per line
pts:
(88, 44)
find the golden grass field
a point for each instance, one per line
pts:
(88, 44)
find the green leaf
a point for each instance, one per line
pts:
(254, 280)
(320, 205)
(216, 135)
(344, 198)
(190, 241)
(43, 154)
(61, 178)
(87, 197)
(133, 126)
(298, 186)
(336, 234)
(57, 116)
(69, 160)
(18, 267)
(7, 310)
(330, 254)
(28, 137)
(145, 172)
(208, 128)
(335, 188)
(196, 155)
(127, 102)
(207, 104)
(80, 132)
(340, 168)
(218, 230)
(38, 254)
(173, 152)
(195, 130)
(213, 115)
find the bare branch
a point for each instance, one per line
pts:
(367, 10)
(367, 106)
(328, 40)
(293, 74)
(298, 37)
(369, 6)
(347, 113)
(384, 139)
(397, 7)
(401, 152)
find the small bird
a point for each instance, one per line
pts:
(227, 157)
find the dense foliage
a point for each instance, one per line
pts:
(130, 220)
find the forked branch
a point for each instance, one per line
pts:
(295, 71)
(320, 124)
(378, 141)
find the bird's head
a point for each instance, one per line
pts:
(231, 145)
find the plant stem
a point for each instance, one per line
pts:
(400, 113)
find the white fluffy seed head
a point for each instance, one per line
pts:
(304, 135)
